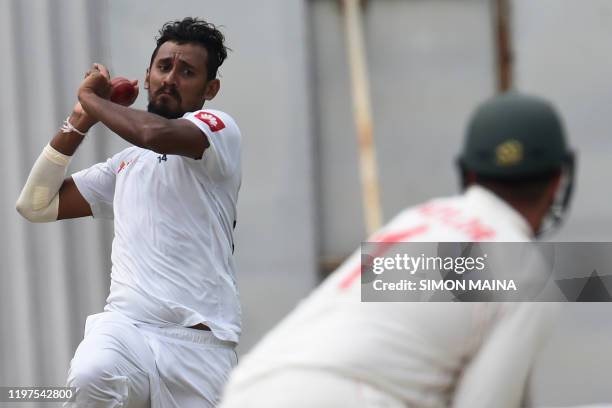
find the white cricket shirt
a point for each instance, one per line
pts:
(429, 355)
(174, 218)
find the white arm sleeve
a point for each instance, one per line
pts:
(39, 199)
(498, 373)
(222, 158)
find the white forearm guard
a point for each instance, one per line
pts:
(39, 199)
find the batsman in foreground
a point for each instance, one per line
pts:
(167, 335)
(335, 351)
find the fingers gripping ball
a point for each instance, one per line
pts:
(123, 91)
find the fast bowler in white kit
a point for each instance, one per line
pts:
(335, 351)
(167, 335)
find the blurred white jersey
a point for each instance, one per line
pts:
(423, 354)
(174, 218)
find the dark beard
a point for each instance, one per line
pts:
(163, 111)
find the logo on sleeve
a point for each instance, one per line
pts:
(124, 164)
(214, 123)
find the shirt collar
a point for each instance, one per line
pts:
(484, 200)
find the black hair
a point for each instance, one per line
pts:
(195, 30)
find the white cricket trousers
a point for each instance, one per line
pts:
(306, 388)
(129, 364)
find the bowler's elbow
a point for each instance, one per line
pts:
(20, 208)
(45, 214)
(24, 211)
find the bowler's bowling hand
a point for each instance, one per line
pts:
(97, 81)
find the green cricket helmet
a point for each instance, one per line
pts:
(513, 137)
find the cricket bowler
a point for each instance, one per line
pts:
(167, 335)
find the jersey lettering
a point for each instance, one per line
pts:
(385, 243)
(453, 218)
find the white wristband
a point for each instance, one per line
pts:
(67, 127)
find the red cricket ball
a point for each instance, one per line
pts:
(123, 91)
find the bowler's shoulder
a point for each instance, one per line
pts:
(216, 120)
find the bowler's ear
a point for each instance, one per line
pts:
(146, 81)
(212, 88)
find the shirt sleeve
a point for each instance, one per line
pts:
(97, 185)
(498, 373)
(222, 158)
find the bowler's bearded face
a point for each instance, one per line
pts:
(177, 79)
